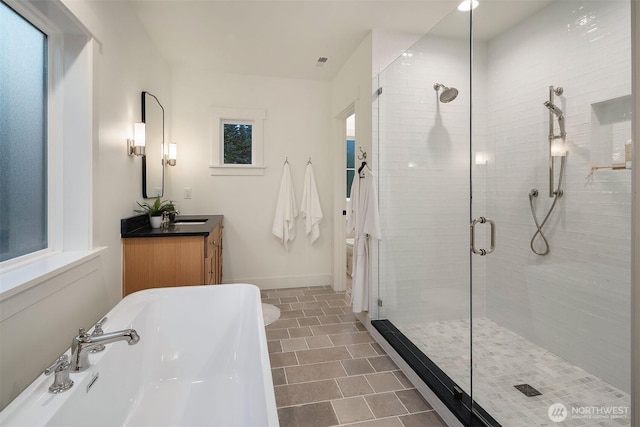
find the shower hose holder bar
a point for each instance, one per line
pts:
(555, 111)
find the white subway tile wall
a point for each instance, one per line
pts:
(573, 302)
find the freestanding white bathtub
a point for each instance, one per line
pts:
(202, 360)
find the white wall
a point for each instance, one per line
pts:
(574, 301)
(296, 127)
(387, 46)
(125, 63)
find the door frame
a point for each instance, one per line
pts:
(339, 200)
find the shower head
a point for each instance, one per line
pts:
(448, 93)
(560, 115)
(554, 109)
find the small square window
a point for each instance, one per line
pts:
(237, 141)
(237, 144)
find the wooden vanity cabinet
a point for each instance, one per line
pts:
(213, 257)
(157, 262)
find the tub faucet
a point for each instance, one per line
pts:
(83, 343)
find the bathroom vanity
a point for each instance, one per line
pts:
(186, 253)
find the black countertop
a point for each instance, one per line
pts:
(139, 226)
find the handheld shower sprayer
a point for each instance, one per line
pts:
(554, 151)
(554, 109)
(559, 114)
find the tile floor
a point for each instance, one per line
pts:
(328, 370)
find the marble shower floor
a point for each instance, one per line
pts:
(503, 359)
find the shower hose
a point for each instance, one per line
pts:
(532, 195)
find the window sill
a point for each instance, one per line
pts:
(218, 170)
(20, 279)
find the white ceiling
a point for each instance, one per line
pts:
(284, 38)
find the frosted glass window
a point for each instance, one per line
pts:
(23, 137)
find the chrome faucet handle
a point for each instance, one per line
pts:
(97, 331)
(60, 369)
(59, 362)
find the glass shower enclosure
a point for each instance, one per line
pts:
(503, 164)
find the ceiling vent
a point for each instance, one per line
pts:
(322, 61)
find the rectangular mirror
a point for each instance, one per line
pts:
(152, 161)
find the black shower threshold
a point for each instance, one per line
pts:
(454, 398)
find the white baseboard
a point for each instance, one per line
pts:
(283, 282)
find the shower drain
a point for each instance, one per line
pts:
(527, 390)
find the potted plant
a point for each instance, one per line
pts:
(156, 209)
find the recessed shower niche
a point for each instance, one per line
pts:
(610, 132)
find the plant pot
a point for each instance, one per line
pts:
(156, 221)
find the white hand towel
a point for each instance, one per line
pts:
(311, 210)
(286, 210)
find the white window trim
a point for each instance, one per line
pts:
(256, 117)
(70, 125)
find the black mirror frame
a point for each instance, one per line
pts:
(144, 157)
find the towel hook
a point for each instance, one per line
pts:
(364, 154)
(286, 160)
(309, 162)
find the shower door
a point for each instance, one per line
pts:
(550, 313)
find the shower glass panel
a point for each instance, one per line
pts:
(551, 332)
(423, 167)
(515, 337)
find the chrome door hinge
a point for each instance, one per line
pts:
(379, 302)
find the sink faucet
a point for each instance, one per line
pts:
(84, 343)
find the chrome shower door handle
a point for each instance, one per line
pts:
(482, 220)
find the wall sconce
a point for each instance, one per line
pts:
(170, 158)
(558, 147)
(135, 146)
